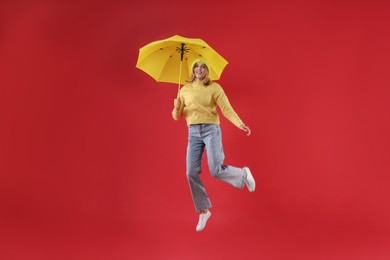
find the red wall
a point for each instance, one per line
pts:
(93, 167)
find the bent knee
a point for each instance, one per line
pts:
(216, 171)
(193, 172)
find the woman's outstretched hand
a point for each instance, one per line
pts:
(246, 129)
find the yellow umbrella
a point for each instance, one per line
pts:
(169, 60)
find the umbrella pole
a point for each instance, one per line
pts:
(181, 50)
(178, 87)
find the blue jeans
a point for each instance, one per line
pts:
(208, 136)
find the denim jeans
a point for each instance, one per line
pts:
(208, 136)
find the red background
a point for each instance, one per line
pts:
(93, 167)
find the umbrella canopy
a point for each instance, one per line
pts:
(170, 60)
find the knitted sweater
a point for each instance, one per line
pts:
(199, 104)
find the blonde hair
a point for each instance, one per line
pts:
(206, 80)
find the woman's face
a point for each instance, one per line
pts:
(200, 71)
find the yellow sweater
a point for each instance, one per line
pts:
(199, 104)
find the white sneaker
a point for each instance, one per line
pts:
(249, 180)
(203, 220)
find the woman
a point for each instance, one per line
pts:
(198, 102)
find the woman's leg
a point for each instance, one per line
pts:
(215, 157)
(195, 151)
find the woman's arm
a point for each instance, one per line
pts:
(227, 110)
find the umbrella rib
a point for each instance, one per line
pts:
(166, 61)
(177, 45)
